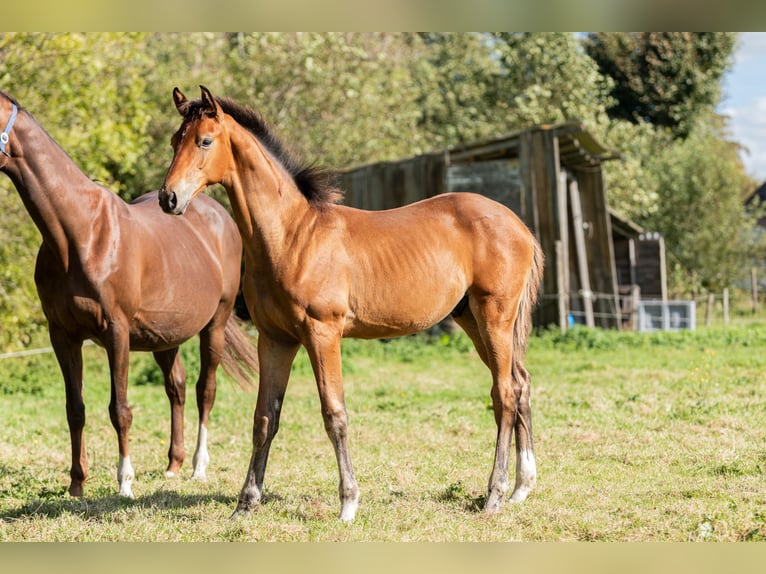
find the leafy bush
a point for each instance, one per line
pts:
(745, 334)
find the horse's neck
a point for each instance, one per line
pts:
(57, 194)
(267, 206)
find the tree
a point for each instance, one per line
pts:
(665, 78)
(700, 183)
(547, 78)
(87, 91)
(456, 80)
(342, 99)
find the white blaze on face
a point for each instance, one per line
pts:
(125, 477)
(201, 457)
(526, 475)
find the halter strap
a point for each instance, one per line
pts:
(7, 130)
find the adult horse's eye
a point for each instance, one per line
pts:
(206, 143)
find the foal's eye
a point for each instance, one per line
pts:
(206, 143)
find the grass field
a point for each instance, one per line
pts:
(639, 437)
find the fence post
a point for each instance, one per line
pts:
(561, 288)
(635, 295)
(709, 309)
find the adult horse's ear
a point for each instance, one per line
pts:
(211, 106)
(182, 103)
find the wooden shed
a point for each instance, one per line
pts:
(551, 177)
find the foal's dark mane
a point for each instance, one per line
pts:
(314, 182)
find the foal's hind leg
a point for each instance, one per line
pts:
(489, 324)
(526, 469)
(175, 387)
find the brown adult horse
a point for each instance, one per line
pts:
(317, 272)
(100, 276)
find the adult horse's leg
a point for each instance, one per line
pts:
(323, 349)
(69, 355)
(118, 351)
(211, 343)
(175, 387)
(275, 359)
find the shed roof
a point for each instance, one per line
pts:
(577, 147)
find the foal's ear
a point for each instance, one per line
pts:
(182, 104)
(212, 108)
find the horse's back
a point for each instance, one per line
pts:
(206, 220)
(409, 267)
(466, 223)
(124, 267)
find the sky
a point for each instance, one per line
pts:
(744, 101)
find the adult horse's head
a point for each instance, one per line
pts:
(201, 151)
(8, 112)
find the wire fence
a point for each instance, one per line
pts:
(628, 311)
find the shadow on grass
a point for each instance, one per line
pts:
(45, 501)
(101, 506)
(455, 494)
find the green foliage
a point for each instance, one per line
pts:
(30, 376)
(20, 314)
(700, 185)
(632, 187)
(547, 78)
(747, 335)
(665, 78)
(87, 91)
(342, 99)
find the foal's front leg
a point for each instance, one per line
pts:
(323, 348)
(275, 361)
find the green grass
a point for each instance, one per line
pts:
(638, 437)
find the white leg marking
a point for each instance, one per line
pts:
(201, 457)
(125, 477)
(526, 475)
(348, 511)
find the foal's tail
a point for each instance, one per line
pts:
(240, 358)
(523, 322)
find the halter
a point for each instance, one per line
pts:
(7, 130)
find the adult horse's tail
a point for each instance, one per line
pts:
(523, 322)
(240, 357)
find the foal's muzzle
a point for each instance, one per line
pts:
(168, 201)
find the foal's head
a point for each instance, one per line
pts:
(203, 153)
(201, 150)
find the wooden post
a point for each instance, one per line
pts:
(580, 249)
(709, 309)
(635, 294)
(754, 288)
(561, 287)
(726, 306)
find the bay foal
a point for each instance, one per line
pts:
(316, 271)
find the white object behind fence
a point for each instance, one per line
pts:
(666, 315)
